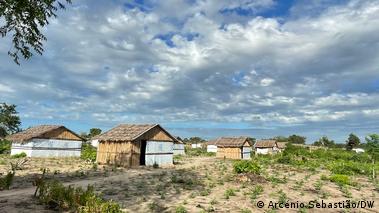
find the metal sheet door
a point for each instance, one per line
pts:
(159, 152)
(246, 151)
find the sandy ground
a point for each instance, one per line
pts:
(197, 184)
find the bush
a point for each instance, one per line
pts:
(195, 152)
(180, 209)
(349, 168)
(89, 152)
(5, 147)
(20, 155)
(341, 179)
(56, 196)
(243, 166)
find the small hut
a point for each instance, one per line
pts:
(211, 146)
(135, 144)
(281, 146)
(46, 141)
(266, 147)
(233, 147)
(179, 147)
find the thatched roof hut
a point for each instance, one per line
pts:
(135, 144)
(281, 145)
(46, 141)
(266, 146)
(233, 147)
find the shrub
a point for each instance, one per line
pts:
(341, 179)
(5, 147)
(285, 159)
(258, 189)
(89, 152)
(180, 209)
(229, 192)
(20, 155)
(199, 152)
(243, 166)
(7, 180)
(56, 196)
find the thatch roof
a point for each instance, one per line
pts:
(281, 145)
(212, 142)
(229, 142)
(265, 144)
(128, 132)
(36, 132)
(178, 140)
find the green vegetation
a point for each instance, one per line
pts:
(352, 142)
(341, 179)
(337, 161)
(5, 147)
(88, 152)
(193, 152)
(324, 141)
(229, 193)
(243, 166)
(257, 190)
(56, 196)
(7, 180)
(9, 120)
(19, 155)
(180, 209)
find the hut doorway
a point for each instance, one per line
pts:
(142, 157)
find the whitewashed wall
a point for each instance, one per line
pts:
(48, 148)
(196, 145)
(95, 143)
(246, 151)
(179, 149)
(263, 151)
(211, 148)
(159, 152)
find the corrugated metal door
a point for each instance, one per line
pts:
(246, 151)
(159, 152)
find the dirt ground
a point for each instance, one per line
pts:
(198, 184)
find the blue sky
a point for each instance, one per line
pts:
(205, 68)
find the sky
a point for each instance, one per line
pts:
(205, 68)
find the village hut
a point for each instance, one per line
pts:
(179, 147)
(211, 146)
(135, 144)
(266, 147)
(281, 146)
(46, 141)
(233, 147)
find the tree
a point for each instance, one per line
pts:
(352, 141)
(324, 141)
(297, 139)
(372, 144)
(9, 120)
(94, 131)
(24, 20)
(281, 139)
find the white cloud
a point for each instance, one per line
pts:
(114, 66)
(267, 82)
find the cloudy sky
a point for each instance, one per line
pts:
(205, 68)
